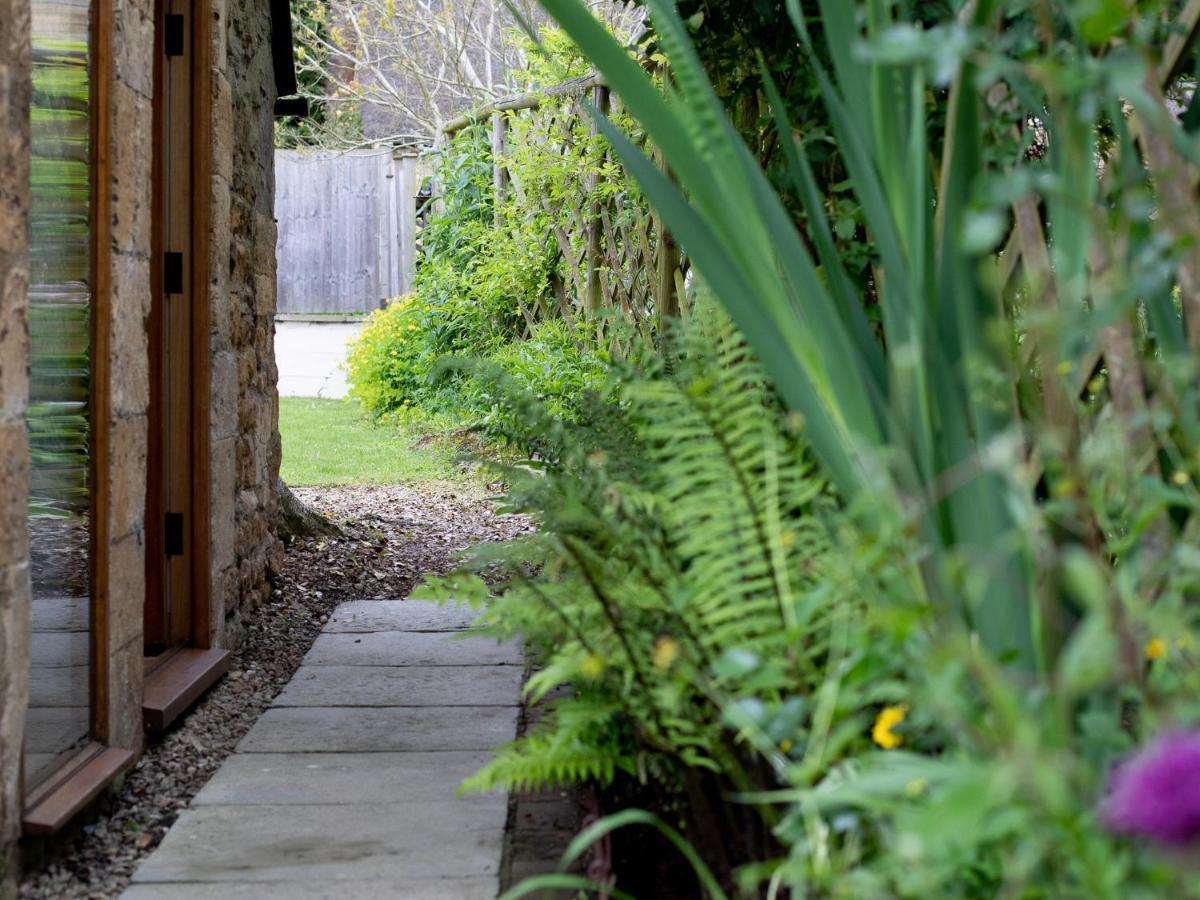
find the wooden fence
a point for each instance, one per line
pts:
(614, 253)
(347, 229)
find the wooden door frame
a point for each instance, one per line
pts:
(200, 583)
(102, 71)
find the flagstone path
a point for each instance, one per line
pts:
(345, 788)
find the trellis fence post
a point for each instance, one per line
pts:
(499, 170)
(601, 99)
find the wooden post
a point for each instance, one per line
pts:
(390, 252)
(499, 170)
(595, 298)
(666, 262)
(407, 194)
(440, 145)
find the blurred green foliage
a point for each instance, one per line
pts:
(878, 584)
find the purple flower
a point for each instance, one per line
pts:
(1156, 793)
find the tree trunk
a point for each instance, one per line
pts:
(298, 521)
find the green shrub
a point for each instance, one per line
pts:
(481, 294)
(556, 366)
(386, 364)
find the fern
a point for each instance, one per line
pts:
(681, 522)
(576, 742)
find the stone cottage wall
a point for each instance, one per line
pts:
(244, 408)
(244, 423)
(14, 389)
(124, 202)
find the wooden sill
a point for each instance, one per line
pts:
(54, 803)
(177, 679)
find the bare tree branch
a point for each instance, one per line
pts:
(413, 65)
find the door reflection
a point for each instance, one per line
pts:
(59, 387)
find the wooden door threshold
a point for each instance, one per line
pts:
(173, 684)
(53, 804)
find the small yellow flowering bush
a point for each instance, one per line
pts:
(386, 362)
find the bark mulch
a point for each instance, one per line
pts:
(394, 535)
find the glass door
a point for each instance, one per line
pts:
(59, 415)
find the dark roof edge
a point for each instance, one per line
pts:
(283, 54)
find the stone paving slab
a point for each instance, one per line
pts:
(403, 686)
(346, 787)
(277, 778)
(434, 889)
(397, 648)
(48, 649)
(400, 615)
(59, 686)
(367, 730)
(327, 843)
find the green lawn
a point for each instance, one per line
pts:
(333, 442)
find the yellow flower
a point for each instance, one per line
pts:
(592, 666)
(1180, 477)
(666, 651)
(889, 717)
(786, 744)
(1156, 648)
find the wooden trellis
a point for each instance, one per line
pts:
(1064, 382)
(614, 256)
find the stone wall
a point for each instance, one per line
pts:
(243, 419)
(124, 202)
(14, 339)
(244, 423)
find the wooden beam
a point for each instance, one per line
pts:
(174, 685)
(531, 100)
(55, 804)
(102, 75)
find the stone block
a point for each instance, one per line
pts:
(220, 45)
(256, 779)
(133, 46)
(403, 686)
(127, 476)
(220, 326)
(14, 332)
(389, 648)
(400, 615)
(129, 359)
(14, 683)
(123, 723)
(350, 889)
(130, 177)
(126, 590)
(223, 396)
(14, 475)
(221, 128)
(222, 484)
(357, 730)
(325, 844)
(264, 298)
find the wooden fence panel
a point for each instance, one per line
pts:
(347, 229)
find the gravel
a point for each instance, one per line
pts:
(394, 535)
